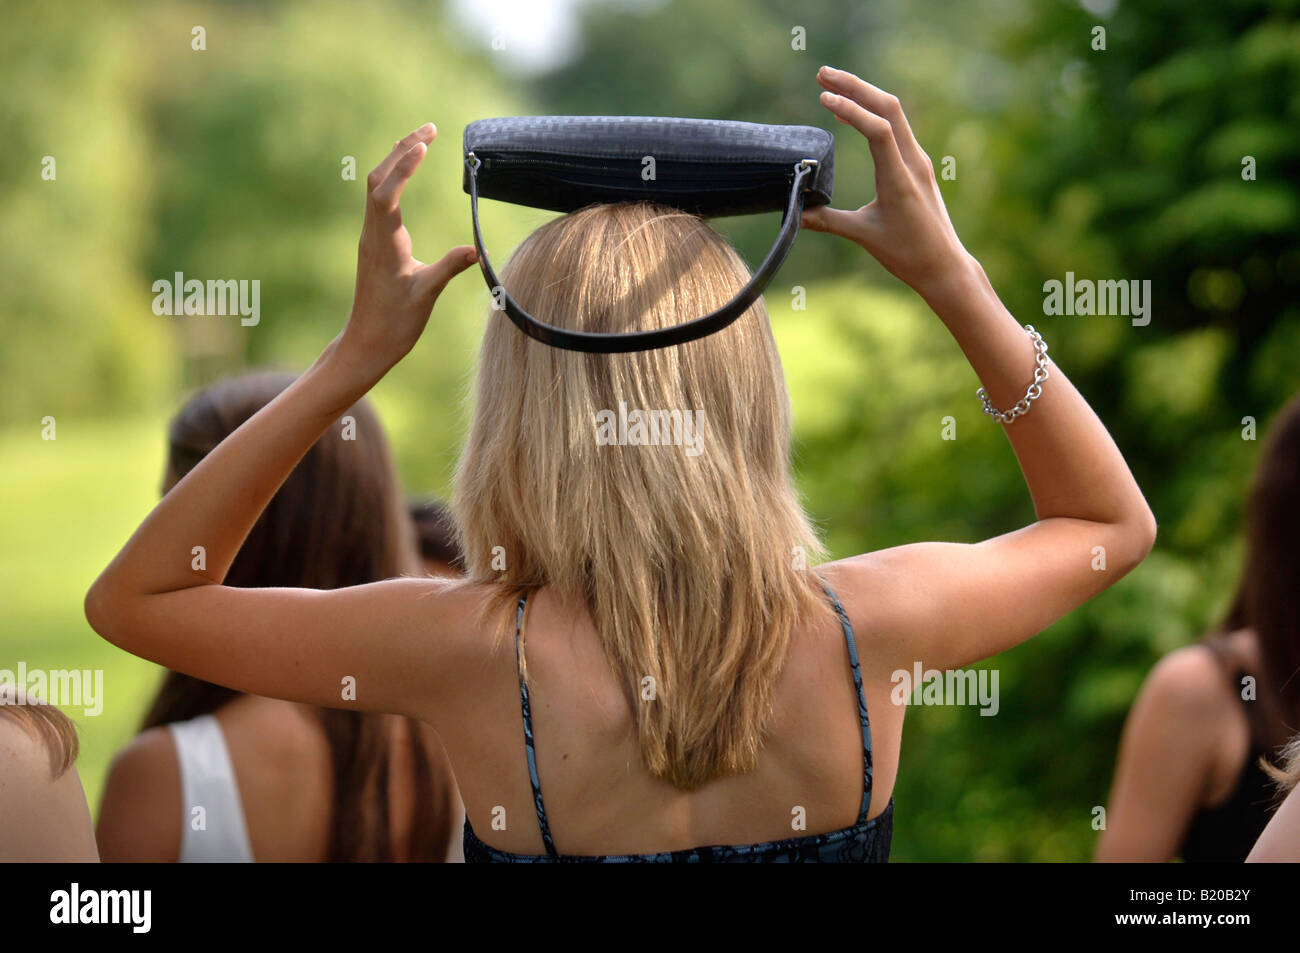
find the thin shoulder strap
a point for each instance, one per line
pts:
(862, 699)
(528, 732)
(208, 779)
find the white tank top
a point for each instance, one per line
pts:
(212, 815)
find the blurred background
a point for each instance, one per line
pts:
(229, 162)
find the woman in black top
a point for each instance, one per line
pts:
(1189, 782)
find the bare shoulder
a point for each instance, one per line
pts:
(880, 580)
(140, 813)
(455, 609)
(884, 592)
(150, 755)
(45, 816)
(452, 631)
(1188, 683)
(1188, 676)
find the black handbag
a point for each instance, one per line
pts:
(703, 166)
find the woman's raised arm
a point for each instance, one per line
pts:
(944, 604)
(162, 597)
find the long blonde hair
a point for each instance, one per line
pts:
(695, 568)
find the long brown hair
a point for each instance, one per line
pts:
(693, 558)
(337, 521)
(1268, 596)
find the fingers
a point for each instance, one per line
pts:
(425, 134)
(431, 279)
(386, 197)
(836, 221)
(892, 173)
(883, 104)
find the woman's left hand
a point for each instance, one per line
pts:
(906, 227)
(395, 292)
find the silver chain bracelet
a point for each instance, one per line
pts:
(1035, 389)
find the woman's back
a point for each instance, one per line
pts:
(281, 762)
(279, 759)
(283, 780)
(689, 557)
(599, 796)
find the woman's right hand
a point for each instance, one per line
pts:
(395, 292)
(906, 227)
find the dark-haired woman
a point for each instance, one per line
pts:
(217, 775)
(1189, 782)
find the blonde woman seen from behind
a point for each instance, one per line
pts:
(681, 681)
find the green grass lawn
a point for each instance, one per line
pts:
(69, 504)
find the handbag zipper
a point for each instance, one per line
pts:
(582, 164)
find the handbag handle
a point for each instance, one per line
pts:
(594, 342)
